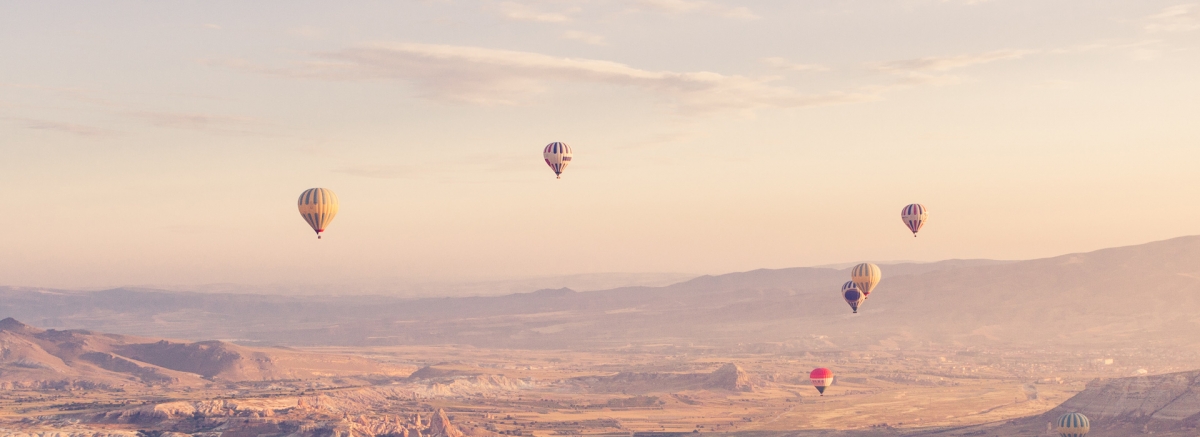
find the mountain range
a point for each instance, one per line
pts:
(1143, 295)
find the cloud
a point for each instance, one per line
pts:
(382, 171)
(490, 76)
(1178, 18)
(666, 139)
(589, 38)
(967, 2)
(195, 121)
(943, 63)
(475, 163)
(694, 7)
(930, 70)
(63, 127)
(308, 32)
(784, 64)
(524, 12)
(924, 3)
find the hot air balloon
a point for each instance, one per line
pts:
(866, 276)
(914, 217)
(1073, 425)
(821, 378)
(318, 206)
(557, 155)
(852, 295)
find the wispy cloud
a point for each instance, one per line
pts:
(381, 171)
(474, 163)
(61, 127)
(197, 121)
(666, 139)
(589, 38)
(943, 63)
(924, 3)
(967, 2)
(932, 70)
(490, 76)
(1178, 18)
(784, 64)
(694, 7)
(308, 32)
(525, 12)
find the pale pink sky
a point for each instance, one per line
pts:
(166, 143)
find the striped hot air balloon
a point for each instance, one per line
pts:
(821, 378)
(914, 217)
(1073, 425)
(318, 206)
(557, 155)
(866, 276)
(852, 295)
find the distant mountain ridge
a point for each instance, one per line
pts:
(1137, 295)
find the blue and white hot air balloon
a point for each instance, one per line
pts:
(852, 295)
(557, 155)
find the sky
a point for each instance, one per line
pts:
(165, 143)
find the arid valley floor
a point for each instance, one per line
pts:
(486, 392)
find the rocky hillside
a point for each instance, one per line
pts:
(1159, 403)
(1163, 405)
(36, 358)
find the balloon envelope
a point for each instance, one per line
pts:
(866, 276)
(821, 378)
(557, 155)
(914, 217)
(1073, 425)
(852, 295)
(318, 206)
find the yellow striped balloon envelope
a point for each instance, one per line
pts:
(866, 276)
(318, 206)
(1073, 425)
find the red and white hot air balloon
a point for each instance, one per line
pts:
(914, 217)
(821, 378)
(557, 155)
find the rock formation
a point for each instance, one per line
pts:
(731, 377)
(52, 359)
(1160, 403)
